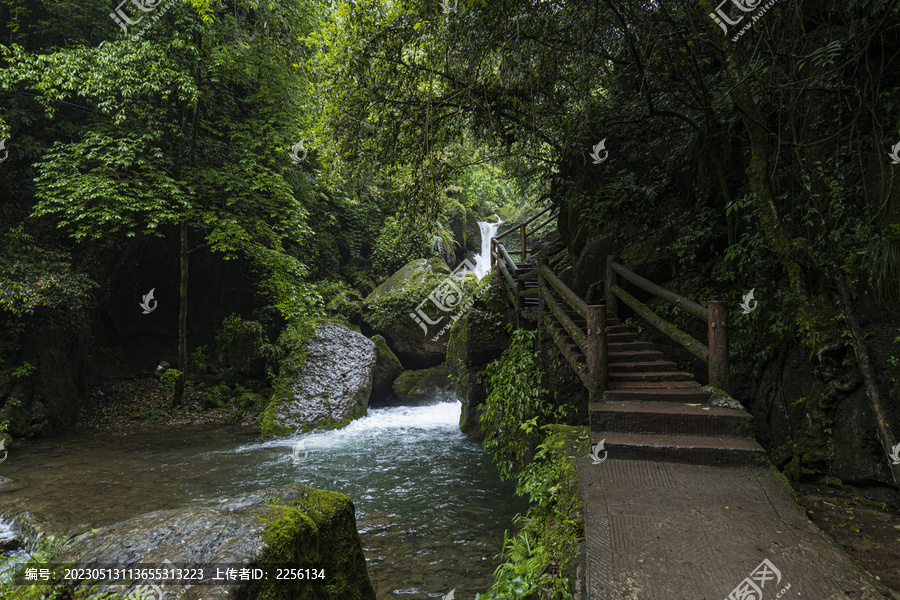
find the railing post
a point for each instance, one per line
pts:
(523, 254)
(717, 311)
(612, 279)
(597, 358)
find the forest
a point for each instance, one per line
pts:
(191, 191)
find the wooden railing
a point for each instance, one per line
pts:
(590, 333)
(591, 340)
(507, 271)
(715, 315)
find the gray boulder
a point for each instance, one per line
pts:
(332, 387)
(293, 526)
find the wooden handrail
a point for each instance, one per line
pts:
(690, 344)
(590, 337)
(571, 328)
(570, 297)
(497, 237)
(661, 292)
(715, 315)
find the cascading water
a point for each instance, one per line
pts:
(431, 510)
(483, 258)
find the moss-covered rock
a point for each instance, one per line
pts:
(477, 338)
(279, 528)
(347, 304)
(426, 385)
(387, 369)
(400, 310)
(329, 390)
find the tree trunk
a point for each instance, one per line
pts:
(882, 426)
(182, 318)
(759, 171)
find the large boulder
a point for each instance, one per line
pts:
(423, 387)
(387, 369)
(475, 340)
(330, 389)
(401, 311)
(289, 527)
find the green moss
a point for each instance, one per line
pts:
(314, 529)
(267, 425)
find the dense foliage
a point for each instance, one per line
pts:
(517, 406)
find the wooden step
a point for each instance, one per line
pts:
(618, 338)
(664, 395)
(670, 418)
(699, 450)
(650, 375)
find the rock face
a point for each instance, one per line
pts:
(331, 389)
(387, 312)
(475, 340)
(422, 387)
(294, 526)
(387, 369)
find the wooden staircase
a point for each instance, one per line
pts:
(653, 411)
(650, 410)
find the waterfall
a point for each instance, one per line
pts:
(483, 258)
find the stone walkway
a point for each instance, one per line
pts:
(667, 531)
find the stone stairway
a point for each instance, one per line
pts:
(653, 411)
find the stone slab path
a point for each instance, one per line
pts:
(668, 531)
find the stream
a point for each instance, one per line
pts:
(430, 507)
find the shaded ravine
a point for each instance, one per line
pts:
(431, 510)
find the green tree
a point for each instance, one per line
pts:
(188, 129)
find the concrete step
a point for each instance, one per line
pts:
(620, 337)
(670, 418)
(697, 450)
(661, 395)
(633, 346)
(652, 385)
(651, 376)
(633, 356)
